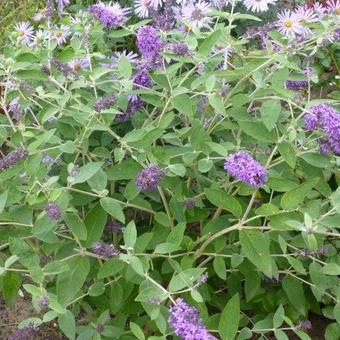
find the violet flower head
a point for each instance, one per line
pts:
(61, 34)
(149, 178)
(105, 103)
(296, 85)
(190, 203)
(62, 4)
(78, 64)
(246, 169)
(186, 322)
(304, 325)
(134, 105)
(113, 226)
(181, 49)
(65, 69)
(53, 211)
(12, 158)
(43, 302)
(14, 106)
(104, 250)
(142, 79)
(165, 21)
(25, 333)
(110, 15)
(148, 42)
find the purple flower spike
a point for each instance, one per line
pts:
(104, 250)
(149, 178)
(243, 167)
(105, 103)
(53, 211)
(12, 158)
(134, 105)
(25, 333)
(186, 322)
(148, 42)
(43, 302)
(110, 15)
(142, 79)
(113, 226)
(296, 85)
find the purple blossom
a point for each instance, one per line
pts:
(100, 328)
(149, 178)
(53, 211)
(201, 279)
(65, 69)
(14, 107)
(61, 34)
(105, 103)
(79, 64)
(104, 250)
(327, 120)
(189, 203)
(24, 32)
(134, 105)
(296, 85)
(110, 15)
(113, 226)
(62, 4)
(304, 325)
(25, 333)
(246, 169)
(47, 159)
(12, 158)
(165, 20)
(43, 302)
(148, 42)
(187, 323)
(142, 79)
(181, 49)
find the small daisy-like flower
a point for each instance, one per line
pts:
(110, 15)
(39, 15)
(258, 5)
(144, 7)
(305, 16)
(78, 64)
(61, 34)
(40, 38)
(319, 10)
(24, 33)
(333, 7)
(196, 14)
(288, 24)
(62, 4)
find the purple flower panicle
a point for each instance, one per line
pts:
(246, 169)
(43, 302)
(25, 333)
(105, 103)
(148, 42)
(104, 250)
(142, 79)
(326, 119)
(53, 211)
(149, 178)
(186, 322)
(110, 15)
(113, 226)
(12, 158)
(134, 105)
(296, 85)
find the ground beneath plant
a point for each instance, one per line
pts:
(11, 316)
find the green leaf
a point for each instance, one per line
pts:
(230, 319)
(336, 313)
(3, 200)
(288, 153)
(293, 198)
(33, 290)
(331, 269)
(113, 208)
(255, 247)
(176, 234)
(87, 171)
(216, 102)
(258, 131)
(130, 235)
(55, 267)
(267, 209)
(332, 332)
(177, 169)
(184, 279)
(220, 267)
(10, 286)
(270, 112)
(97, 289)
(137, 331)
(317, 160)
(69, 283)
(110, 268)
(67, 325)
(95, 222)
(208, 43)
(76, 225)
(196, 296)
(183, 104)
(295, 294)
(278, 317)
(124, 67)
(280, 335)
(335, 199)
(204, 165)
(221, 199)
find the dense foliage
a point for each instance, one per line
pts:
(167, 174)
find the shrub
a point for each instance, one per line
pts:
(163, 176)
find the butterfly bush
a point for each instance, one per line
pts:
(170, 169)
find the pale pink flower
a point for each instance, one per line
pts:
(257, 5)
(288, 24)
(196, 15)
(24, 33)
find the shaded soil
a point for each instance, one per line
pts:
(11, 316)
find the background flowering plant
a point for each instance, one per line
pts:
(164, 174)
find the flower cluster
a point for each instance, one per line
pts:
(186, 322)
(53, 211)
(104, 250)
(12, 158)
(134, 105)
(43, 302)
(327, 119)
(110, 15)
(149, 178)
(25, 333)
(148, 43)
(243, 167)
(113, 226)
(65, 69)
(105, 103)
